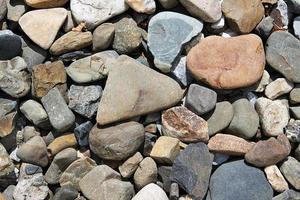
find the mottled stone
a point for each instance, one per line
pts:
(15, 9)
(292, 131)
(276, 179)
(264, 81)
(65, 193)
(146, 173)
(6, 164)
(8, 124)
(103, 36)
(278, 87)
(10, 43)
(290, 169)
(128, 168)
(35, 113)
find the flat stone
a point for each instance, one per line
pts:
(168, 32)
(183, 124)
(45, 3)
(128, 168)
(276, 179)
(81, 133)
(142, 6)
(278, 87)
(240, 16)
(3, 9)
(60, 143)
(290, 169)
(15, 9)
(228, 69)
(292, 131)
(66, 193)
(255, 188)
(192, 168)
(269, 152)
(127, 80)
(10, 43)
(146, 173)
(39, 29)
(150, 192)
(103, 36)
(287, 195)
(35, 113)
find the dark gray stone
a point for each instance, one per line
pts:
(192, 168)
(293, 6)
(82, 133)
(237, 180)
(164, 173)
(66, 193)
(10, 45)
(33, 169)
(288, 195)
(3, 9)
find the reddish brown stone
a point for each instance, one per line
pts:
(228, 63)
(7, 124)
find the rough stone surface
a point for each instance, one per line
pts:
(288, 195)
(35, 113)
(264, 81)
(146, 173)
(290, 169)
(294, 96)
(151, 192)
(15, 9)
(128, 168)
(276, 179)
(103, 36)
(45, 3)
(81, 133)
(10, 43)
(66, 193)
(292, 131)
(181, 74)
(3, 9)
(278, 87)
(60, 143)
(6, 164)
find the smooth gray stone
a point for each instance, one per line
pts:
(33, 169)
(3, 9)
(10, 45)
(66, 193)
(164, 173)
(288, 195)
(296, 26)
(9, 191)
(103, 36)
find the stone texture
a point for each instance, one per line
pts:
(295, 111)
(221, 67)
(296, 26)
(276, 179)
(287, 195)
(60, 143)
(45, 3)
(183, 124)
(127, 80)
(8, 124)
(290, 169)
(181, 74)
(292, 131)
(15, 9)
(142, 6)
(264, 81)
(103, 36)
(278, 87)
(65, 193)
(35, 113)
(114, 189)
(10, 43)
(146, 173)
(128, 168)
(3, 9)
(81, 133)
(281, 14)
(151, 192)
(6, 164)
(294, 96)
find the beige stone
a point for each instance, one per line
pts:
(45, 3)
(142, 6)
(276, 179)
(278, 87)
(7, 124)
(128, 168)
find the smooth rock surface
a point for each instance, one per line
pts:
(146, 173)
(151, 192)
(142, 6)
(10, 43)
(103, 36)
(32, 54)
(294, 96)
(128, 168)
(290, 169)
(287, 195)
(35, 113)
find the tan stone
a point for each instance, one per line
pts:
(45, 3)
(7, 124)
(2, 197)
(142, 6)
(276, 179)
(278, 87)
(61, 143)
(128, 168)
(269, 1)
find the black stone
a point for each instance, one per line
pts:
(66, 193)
(10, 45)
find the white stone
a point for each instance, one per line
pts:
(142, 6)
(276, 179)
(228, 33)
(151, 192)
(278, 87)
(219, 24)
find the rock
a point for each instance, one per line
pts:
(61, 143)
(164, 173)
(69, 23)
(288, 194)
(150, 192)
(128, 168)
(8, 124)
(192, 168)
(71, 41)
(34, 151)
(142, 6)
(297, 153)
(82, 133)
(60, 162)
(183, 124)
(296, 26)
(116, 142)
(292, 131)
(115, 189)
(66, 193)
(181, 74)
(39, 29)
(103, 36)
(164, 41)
(8, 192)
(200, 99)
(91, 68)
(15, 80)
(274, 116)
(240, 16)
(295, 111)
(220, 118)
(146, 173)
(27, 133)
(149, 143)
(3, 9)
(7, 106)
(10, 44)
(229, 145)
(127, 81)
(283, 56)
(255, 188)
(265, 27)
(269, 152)
(165, 150)
(264, 81)
(15, 9)
(295, 95)
(6, 164)
(76, 171)
(96, 12)
(229, 70)
(32, 54)
(167, 4)
(276, 179)
(245, 120)
(290, 169)
(208, 11)
(35, 113)
(128, 36)
(280, 14)
(60, 116)
(278, 87)
(45, 3)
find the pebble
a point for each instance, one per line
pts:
(117, 190)
(146, 173)
(32, 54)
(6, 164)
(127, 81)
(264, 81)
(265, 27)
(179, 122)
(280, 15)
(295, 95)
(288, 194)
(60, 143)
(142, 6)
(149, 143)
(35, 113)
(192, 168)
(15, 9)
(276, 179)
(164, 173)
(69, 23)
(103, 36)
(229, 70)
(151, 192)
(10, 44)
(3, 9)
(7, 106)
(290, 169)
(164, 40)
(181, 74)
(8, 192)
(297, 153)
(278, 87)
(65, 193)
(128, 168)
(292, 131)
(81, 133)
(45, 3)
(39, 29)
(296, 26)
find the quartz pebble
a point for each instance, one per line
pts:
(276, 179)
(278, 87)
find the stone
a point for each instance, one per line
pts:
(265, 27)
(60, 143)
(295, 111)
(264, 81)
(294, 96)
(245, 120)
(297, 153)
(269, 152)
(91, 68)
(229, 145)
(3, 9)
(283, 56)
(6, 164)
(255, 188)
(96, 12)
(278, 87)
(127, 80)
(146, 173)
(142, 6)
(165, 150)
(221, 67)
(276, 179)
(32, 54)
(164, 173)
(207, 10)
(128, 168)
(200, 100)
(65, 193)
(287, 195)
(15, 9)
(14, 78)
(10, 44)
(34, 151)
(167, 4)
(164, 40)
(26, 134)
(181, 74)
(114, 189)
(192, 168)
(128, 36)
(45, 3)
(220, 117)
(35, 113)
(8, 192)
(47, 76)
(292, 131)
(69, 23)
(116, 142)
(290, 169)
(151, 192)
(60, 116)
(39, 29)
(149, 143)
(71, 41)
(280, 14)
(183, 124)
(82, 133)
(7, 106)
(296, 26)
(76, 171)
(103, 36)
(60, 162)
(241, 16)
(8, 124)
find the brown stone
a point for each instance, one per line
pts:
(228, 63)
(269, 152)
(229, 144)
(61, 143)
(45, 3)
(7, 124)
(243, 15)
(47, 76)
(183, 124)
